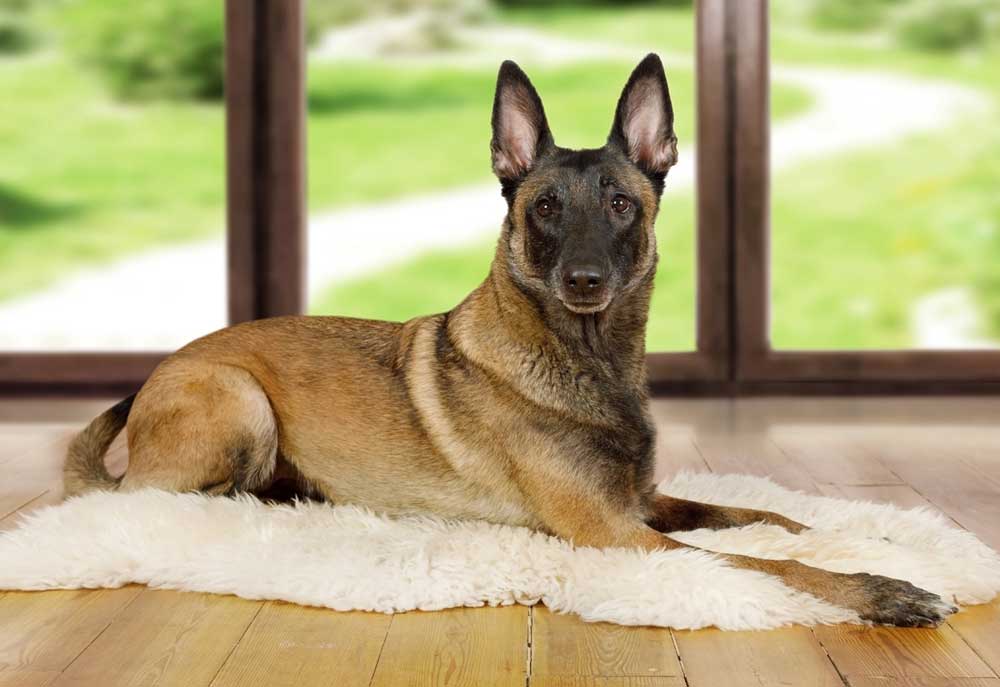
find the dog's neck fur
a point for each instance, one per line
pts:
(555, 357)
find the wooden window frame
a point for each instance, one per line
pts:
(265, 201)
(266, 218)
(758, 366)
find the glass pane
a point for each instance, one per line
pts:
(885, 210)
(112, 186)
(401, 191)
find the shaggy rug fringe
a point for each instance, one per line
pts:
(347, 558)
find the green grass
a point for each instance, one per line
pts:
(645, 27)
(85, 178)
(857, 238)
(379, 132)
(438, 281)
(853, 251)
(579, 103)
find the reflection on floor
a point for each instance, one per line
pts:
(942, 453)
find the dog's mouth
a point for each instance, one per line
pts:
(584, 306)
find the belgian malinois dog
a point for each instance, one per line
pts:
(524, 405)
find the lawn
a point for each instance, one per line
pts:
(579, 102)
(87, 178)
(857, 238)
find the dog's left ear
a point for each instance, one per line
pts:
(520, 131)
(644, 120)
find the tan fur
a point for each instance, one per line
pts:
(510, 408)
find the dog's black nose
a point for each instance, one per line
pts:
(583, 280)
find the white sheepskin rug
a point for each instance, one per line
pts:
(347, 558)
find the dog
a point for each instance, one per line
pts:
(526, 404)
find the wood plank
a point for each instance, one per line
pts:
(676, 451)
(777, 657)
(753, 453)
(72, 411)
(860, 651)
(288, 645)
(46, 631)
(164, 638)
(577, 681)
(35, 477)
(831, 457)
(979, 626)
(564, 644)
(18, 439)
(924, 682)
(457, 646)
(50, 497)
(939, 469)
(29, 475)
(899, 495)
(27, 678)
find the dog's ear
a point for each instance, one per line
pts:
(644, 120)
(520, 132)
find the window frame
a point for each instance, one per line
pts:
(758, 366)
(266, 226)
(265, 201)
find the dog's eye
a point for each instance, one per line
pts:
(620, 204)
(543, 206)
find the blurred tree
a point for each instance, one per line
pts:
(326, 14)
(19, 29)
(947, 26)
(161, 49)
(851, 15)
(596, 3)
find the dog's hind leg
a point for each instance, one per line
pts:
(671, 514)
(199, 426)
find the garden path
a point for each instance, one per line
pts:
(165, 297)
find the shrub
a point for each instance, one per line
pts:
(325, 14)
(850, 15)
(19, 28)
(16, 34)
(945, 27)
(593, 3)
(153, 49)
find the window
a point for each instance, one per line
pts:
(808, 265)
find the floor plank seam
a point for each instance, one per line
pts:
(24, 505)
(868, 484)
(939, 509)
(701, 454)
(836, 668)
(697, 449)
(531, 651)
(232, 650)
(888, 468)
(378, 659)
(104, 629)
(972, 648)
(4, 516)
(680, 659)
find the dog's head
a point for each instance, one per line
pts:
(580, 222)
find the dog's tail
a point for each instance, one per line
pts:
(84, 469)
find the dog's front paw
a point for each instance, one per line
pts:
(888, 601)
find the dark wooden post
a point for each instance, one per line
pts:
(266, 171)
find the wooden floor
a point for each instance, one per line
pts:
(942, 453)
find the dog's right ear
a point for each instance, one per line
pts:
(644, 120)
(520, 131)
